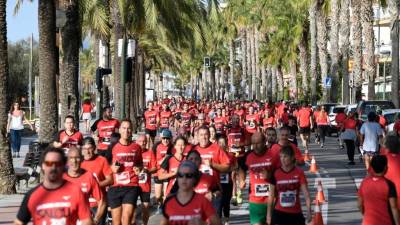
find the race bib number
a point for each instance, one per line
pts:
(106, 141)
(152, 121)
(287, 199)
(252, 124)
(206, 169)
(123, 178)
(61, 221)
(224, 178)
(235, 149)
(142, 178)
(262, 190)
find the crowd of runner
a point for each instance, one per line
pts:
(196, 157)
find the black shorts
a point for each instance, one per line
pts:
(157, 181)
(241, 161)
(144, 196)
(283, 218)
(117, 196)
(305, 130)
(151, 133)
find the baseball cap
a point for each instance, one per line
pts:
(166, 134)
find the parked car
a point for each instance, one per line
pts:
(350, 108)
(390, 116)
(332, 116)
(365, 107)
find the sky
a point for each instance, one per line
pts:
(24, 23)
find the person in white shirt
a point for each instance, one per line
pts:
(371, 134)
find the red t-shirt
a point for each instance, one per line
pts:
(214, 154)
(64, 205)
(225, 178)
(98, 166)
(276, 150)
(87, 108)
(150, 117)
(128, 156)
(269, 122)
(322, 118)
(285, 118)
(206, 184)
(73, 140)
(220, 123)
(161, 151)
(236, 140)
(180, 214)
(170, 166)
(149, 162)
(392, 173)
(375, 192)
(396, 127)
(165, 118)
(89, 186)
(287, 186)
(340, 118)
(105, 129)
(382, 121)
(186, 119)
(259, 184)
(304, 115)
(252, 122)
(350, 124)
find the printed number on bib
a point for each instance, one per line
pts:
(206, 169)
(287, 199)
(252, 124)
(261, 190)
(142, 178)
(224, 178)
(123, 178)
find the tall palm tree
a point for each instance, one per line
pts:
(7, 178)
(334, 49)
(344, 39)
(274, 84)
(313, 48)
(367, 17)
(243, 39)
(322, 40)
(69, 70)
(357, 49)
(303, 61)
(249, 35)
(393, 7)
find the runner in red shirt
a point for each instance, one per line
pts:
(149, 167)
(165, 118)
(64, 202)
(127, 163)
(186, 119)
(269, 120)
(260, 165)
(284, 117)
(284, 134)
(252, 121)
(340, 118)
(220, 122)
(86, 114)
(392, 144)
(187, 207)
(240, 112)
(377, 198)
(382, 120)
(151, 120)
(305, 123)
(87, 182)
(69, 137)
(286, 183)
(105, 127)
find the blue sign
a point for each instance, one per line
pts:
(328, 82)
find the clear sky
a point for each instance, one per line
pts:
(24, 23)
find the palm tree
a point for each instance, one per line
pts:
(249, 36)
(334, 50)
(313, 48)
(303, 61)
(69, 70)
(244, 58)
(393, 7)
(7, 178)
(367, 17)
(357, 49)
(322, 40)
(344, 39)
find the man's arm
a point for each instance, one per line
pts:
(394, 210)
(360, 203)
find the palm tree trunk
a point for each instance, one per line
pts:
(253, 63)
(269, 83)
(357, 50)
(249, 65)
(257, 62)
(47, 71)
(322, 49)
(263, 82)
(224, 84)
(368, 34)
(217, 83)
(117, 34)
(334, 50)
(344, 48)
(393, 6)
(274, 75)
(7, 178)
(313, 48)
(244, 61)
(303, 61)
(279, 79)
(293, 81)
(231, 65)
(71, 39)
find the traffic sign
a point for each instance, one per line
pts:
(328, 82)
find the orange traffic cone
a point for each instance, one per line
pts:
(317, 219)
(320, 197)
(313, 167)
(307, 155)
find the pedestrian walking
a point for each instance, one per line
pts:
(323, 123)
(370, 135)
(349, 136)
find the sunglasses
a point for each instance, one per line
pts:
(187, 175)
(166, 138)
(53, 163)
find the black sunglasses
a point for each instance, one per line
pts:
(187, 175)
(166, 138)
